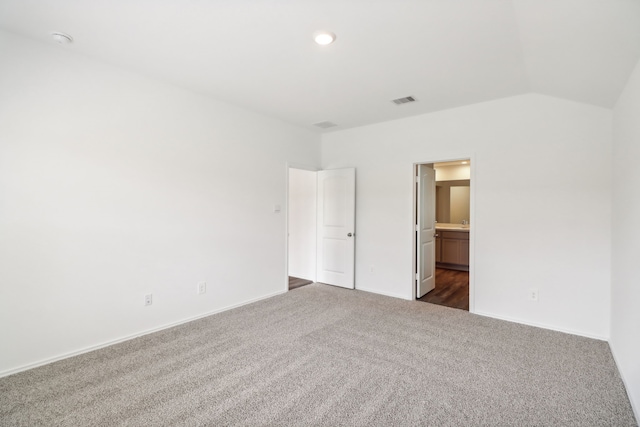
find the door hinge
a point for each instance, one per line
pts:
(417, 180)
(417, 227)
(417, 276)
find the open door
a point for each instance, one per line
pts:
(336, 227)
(426, 216)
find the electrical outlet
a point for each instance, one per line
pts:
(202, 287)
(148, 299)
(533, 294)
(371, 269)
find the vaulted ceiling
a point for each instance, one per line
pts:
(259, 54)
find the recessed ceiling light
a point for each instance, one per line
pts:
(324, 38)
(464, 163)
(62, 38)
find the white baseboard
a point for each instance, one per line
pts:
(132, 336)
(387, 294)
(636, 409)
(500, 317)
(542, 325)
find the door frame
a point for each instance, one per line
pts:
(292, 165)
(472, 220)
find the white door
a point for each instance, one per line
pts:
(426, 251)
(336, 227)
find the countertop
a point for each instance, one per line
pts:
(452, 227)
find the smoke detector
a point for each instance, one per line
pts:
(325, 124)
(61, 38)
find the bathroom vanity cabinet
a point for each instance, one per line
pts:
(452, 249)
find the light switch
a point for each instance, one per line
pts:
(276, 208)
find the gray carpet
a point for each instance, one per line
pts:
(326, 356)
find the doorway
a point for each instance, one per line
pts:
(444, 233)
(301, 227)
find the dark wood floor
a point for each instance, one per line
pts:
(452, 289)
(296, 282)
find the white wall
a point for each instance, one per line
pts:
(302, 224)
(113, 186)
(528, 153)
(625, 295)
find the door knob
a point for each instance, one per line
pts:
(349, 235)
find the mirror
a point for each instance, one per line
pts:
(452, 201)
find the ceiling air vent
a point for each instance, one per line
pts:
(325, 125)
(404, 100)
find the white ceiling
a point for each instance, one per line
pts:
(446, 53)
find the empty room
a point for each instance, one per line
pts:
(167, 166)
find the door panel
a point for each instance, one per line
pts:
(335, 195)
(426, 229)
(427, 254)
(334, 255)
(336, 227)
